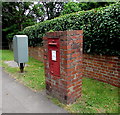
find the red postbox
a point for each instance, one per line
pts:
(54, 56)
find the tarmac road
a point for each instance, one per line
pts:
(16, 98)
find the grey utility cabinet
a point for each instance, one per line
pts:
(20, 48)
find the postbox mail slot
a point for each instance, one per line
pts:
(54, 56)
(53, 44)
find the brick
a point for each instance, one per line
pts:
(103, 65)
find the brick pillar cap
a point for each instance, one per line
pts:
(57, 34)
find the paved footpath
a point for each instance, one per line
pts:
(16, 98)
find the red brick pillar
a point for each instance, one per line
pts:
(63, 64)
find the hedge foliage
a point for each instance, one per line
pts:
(101, 29)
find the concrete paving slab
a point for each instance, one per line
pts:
(12, 63)
(19, 99)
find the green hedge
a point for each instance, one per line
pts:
(101, 29)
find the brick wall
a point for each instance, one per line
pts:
(36, 52)
(102, 68)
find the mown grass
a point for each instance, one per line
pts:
(97, 97)
(34, 72)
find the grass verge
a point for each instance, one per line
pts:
(97, 97)
(34, 72)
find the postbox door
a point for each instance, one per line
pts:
(54, 56)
